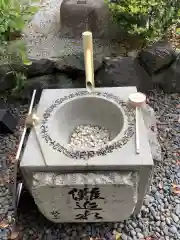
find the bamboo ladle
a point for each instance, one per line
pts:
(88, 60)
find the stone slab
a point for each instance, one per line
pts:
(85, 197)
(58, 161)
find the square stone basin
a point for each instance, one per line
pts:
(61, 110)
(52, 167)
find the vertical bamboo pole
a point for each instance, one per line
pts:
(88, 58)
(17, 189)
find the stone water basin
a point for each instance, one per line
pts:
(80, 162)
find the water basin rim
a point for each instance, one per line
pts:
(119, 135)
(121, 139)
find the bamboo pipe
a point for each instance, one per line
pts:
(88, 58)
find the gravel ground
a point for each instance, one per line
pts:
(160, 214)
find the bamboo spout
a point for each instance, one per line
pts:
(88, 58)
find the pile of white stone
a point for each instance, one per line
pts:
(89, 136)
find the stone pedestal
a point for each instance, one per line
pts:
(106, 183)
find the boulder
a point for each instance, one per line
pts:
(75, 62)
(62, 81)
(157, 78)
(47, 81)
(50, 20)
(123, 71)
(78, 16)
(38, 83)
(171, 80)
(40, 67)
(7, 78)
(37, 68)
(158, 56)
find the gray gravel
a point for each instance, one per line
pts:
(160, 214)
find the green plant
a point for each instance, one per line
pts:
(178, 31)
(19, 77)
(148, 19)
(14, 15)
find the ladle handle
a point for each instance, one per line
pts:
(137, 130)
(88, 58)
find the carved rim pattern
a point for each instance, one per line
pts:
(86, 154)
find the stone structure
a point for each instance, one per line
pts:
(58, 60)
(105, 183)
(48, 37)
(79, 16)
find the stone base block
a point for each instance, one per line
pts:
(85, 197)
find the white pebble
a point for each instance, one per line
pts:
(89, 136)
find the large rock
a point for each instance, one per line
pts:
(74, 63)
(46, 20)
(58, 80)
(62, 81)
(171, 80)
(7, 78)
(157, 78)
(157, 56)
(79, 16)
(47, 81)
(123, 71)
(40, 67)
(37, 68)
(38, 83)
